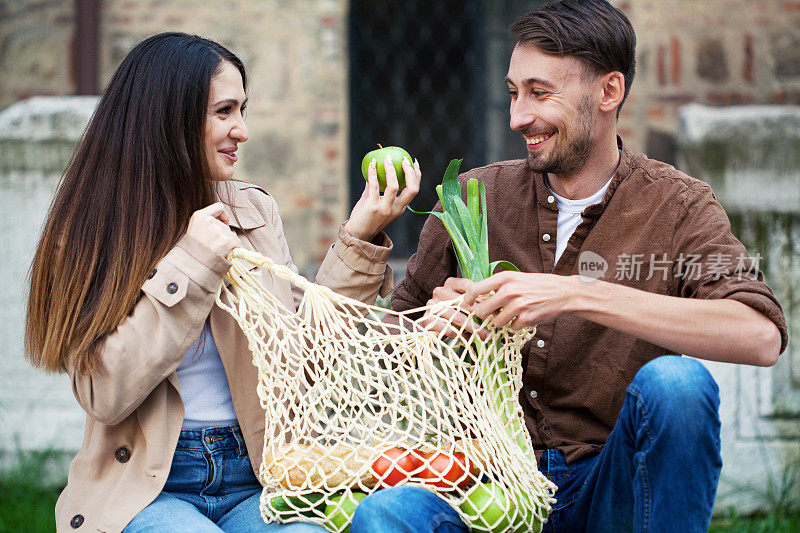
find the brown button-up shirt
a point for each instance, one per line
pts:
(656, 229)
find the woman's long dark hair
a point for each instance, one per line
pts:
(125, 199)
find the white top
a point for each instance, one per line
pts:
(204, 385)
(569, 215)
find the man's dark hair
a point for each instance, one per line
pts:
(594, 31)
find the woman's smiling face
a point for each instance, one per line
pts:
(224, 127)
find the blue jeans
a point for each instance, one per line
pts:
(211, 487)
(658, 470)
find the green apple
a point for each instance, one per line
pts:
(397, 154)
(488, 508)
(339, 512)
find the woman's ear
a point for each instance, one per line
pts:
(613, 85)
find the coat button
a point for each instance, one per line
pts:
(546, 237)
(172, 288)
(152, 274)
(122, 455)
(77, 521)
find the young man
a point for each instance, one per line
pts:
(629, 433)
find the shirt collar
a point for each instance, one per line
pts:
(593, 211)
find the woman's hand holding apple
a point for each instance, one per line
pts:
(374, 211)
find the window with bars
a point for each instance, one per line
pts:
(428, 76)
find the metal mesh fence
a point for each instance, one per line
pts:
(428, 76)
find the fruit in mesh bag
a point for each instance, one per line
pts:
(341, 509)
(310, 505)
(445, 470)
(311, 466)
(394, 466)
(488, 507)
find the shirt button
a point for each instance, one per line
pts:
(551, 199)
(546, 237)
(534, 394)
(77, 521)
(151, 274)
(540, 343)
(122, 455)
(172, 288)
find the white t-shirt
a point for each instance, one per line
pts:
(569, 215)
(204, 385)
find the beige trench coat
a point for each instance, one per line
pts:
(134, 408)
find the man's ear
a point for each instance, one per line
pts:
(613, 85)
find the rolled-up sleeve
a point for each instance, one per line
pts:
(356, 268)
(711, 263)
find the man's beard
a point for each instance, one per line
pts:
(574, 153)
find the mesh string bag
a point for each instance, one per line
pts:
(355, 404)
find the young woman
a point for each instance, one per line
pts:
(123, 286)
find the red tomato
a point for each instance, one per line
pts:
(445, 470)
(394, 466)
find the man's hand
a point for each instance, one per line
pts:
(522, 299)
(717, 329)
(450, 321)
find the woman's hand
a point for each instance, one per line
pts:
(210, 226)
(374, 210)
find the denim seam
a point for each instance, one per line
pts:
(640, 405)
(214, 449)
(566, 475)
(570, 501)
(441, 519)
(646, 489)
(642, 408)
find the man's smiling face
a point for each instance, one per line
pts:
(553, 107)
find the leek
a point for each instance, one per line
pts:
(467, 226)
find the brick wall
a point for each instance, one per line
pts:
(295, 53)
(35, 49)
(718, 52)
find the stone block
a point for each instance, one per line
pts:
(749, 154)
(37, 137)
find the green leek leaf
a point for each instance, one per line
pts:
(469, 232)
(502, 264)
(473, 204)
(469, 267)
(450, 188)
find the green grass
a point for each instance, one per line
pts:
(27, 505)
(774, 522)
